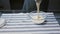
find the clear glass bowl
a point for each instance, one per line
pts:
(43, 16)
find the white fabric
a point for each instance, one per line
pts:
(2, 22)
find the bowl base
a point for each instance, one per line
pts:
(37, 20)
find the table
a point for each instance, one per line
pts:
(21, 23)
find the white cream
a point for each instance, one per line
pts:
(38, 21)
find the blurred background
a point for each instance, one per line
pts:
(29, 5)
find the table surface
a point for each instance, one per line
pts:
(22, 23)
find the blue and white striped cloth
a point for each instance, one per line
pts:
(21, 22)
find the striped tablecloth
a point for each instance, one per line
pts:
(22, 23)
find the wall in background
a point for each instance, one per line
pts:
(5, 4)
(54, 5)
(16, 4)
